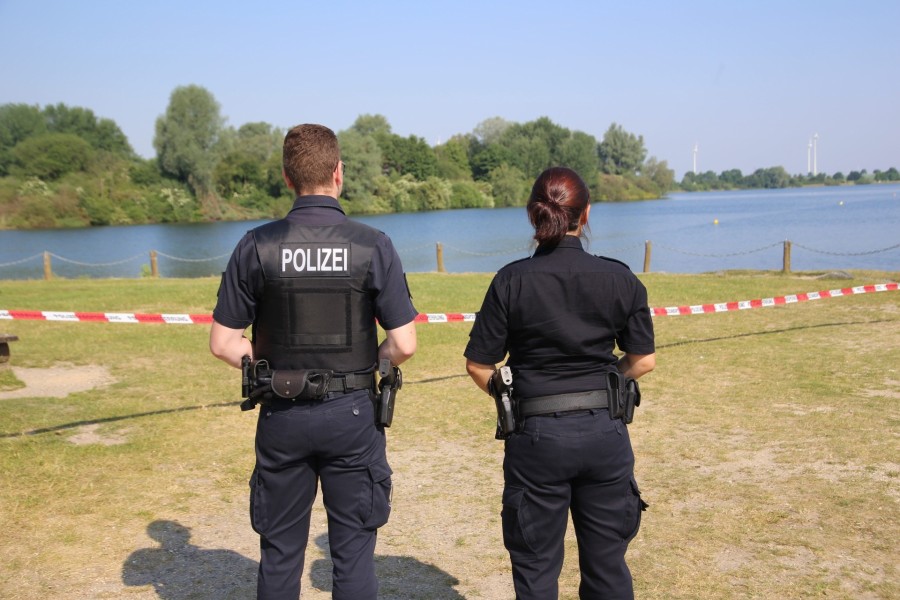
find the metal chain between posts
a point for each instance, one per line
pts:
(84, 264)
(497, 253)
(19, 262)
(847, 253)
(195, 260)
(720, 255)
(527, 248)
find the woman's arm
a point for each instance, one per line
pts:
(480, 374)
(636, 365)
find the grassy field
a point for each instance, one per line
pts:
(766, 444)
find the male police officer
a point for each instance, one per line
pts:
(312, 286)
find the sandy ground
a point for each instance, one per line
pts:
(58, 381)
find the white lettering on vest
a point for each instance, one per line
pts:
(314, 258)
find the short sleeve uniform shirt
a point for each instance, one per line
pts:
(559, 315)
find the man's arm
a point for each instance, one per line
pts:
(636, 365)
(399, 344)
(229, 345)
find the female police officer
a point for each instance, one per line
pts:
(558, 316)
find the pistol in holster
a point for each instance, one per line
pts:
(391, 380)
(500, 387)
(260, 383)
(623, 395)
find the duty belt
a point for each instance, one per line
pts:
(352, 381)
(313, 385)
(542, 405)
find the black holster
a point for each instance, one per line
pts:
(500, 387)
(623, 394)
(391, 381)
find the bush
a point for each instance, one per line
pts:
(468, 194)
(51, 155)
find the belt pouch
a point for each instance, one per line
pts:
(615, 393)
(304, 384)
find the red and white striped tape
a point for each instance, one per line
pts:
(669, 311)
(699, 309)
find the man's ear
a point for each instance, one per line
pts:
(287, 181)
(339, 176)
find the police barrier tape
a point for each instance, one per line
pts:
(669, 311)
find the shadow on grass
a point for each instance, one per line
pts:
(151, 413)
(773, 332)
(179, 570)
(399, 577)
(75, 424)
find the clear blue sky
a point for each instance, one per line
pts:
(748, 82)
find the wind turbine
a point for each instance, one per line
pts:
(808, 155)
(815, 157)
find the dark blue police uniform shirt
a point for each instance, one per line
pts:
(559, 315)
(242, 281)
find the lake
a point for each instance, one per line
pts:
(831, 228)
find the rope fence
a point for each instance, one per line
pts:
(787, 245)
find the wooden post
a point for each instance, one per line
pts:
(154, 267)
(440, 258)
(648, 248)
(48, 270)
(786, 262)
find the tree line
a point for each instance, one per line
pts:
(777, 177)
(64, 166)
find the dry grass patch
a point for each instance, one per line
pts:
(766, 446)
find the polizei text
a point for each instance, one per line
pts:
(318, 259)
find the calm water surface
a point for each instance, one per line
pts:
(853, 227)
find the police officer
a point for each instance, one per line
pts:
(558, 315)
(312, 285)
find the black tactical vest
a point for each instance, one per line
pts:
(315, 312)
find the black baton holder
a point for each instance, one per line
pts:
(623, 395)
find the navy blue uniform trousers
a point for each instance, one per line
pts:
(334, 440)
(580, 461)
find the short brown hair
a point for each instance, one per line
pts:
(310, 155)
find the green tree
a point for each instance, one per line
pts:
(490, 130)
(242, 165)
(363, 164)
(186, 136)
(534, 146)
(432, 194)
(770, 178)
(471, 194)
(453, 159)
(621, 152)
(373, 125)
(17, 123)
(485, 158)
(731, 177)
(510, 187)
(579, 153)
(101, 134)
(51, 155)
(659, 174)
(411, 155)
